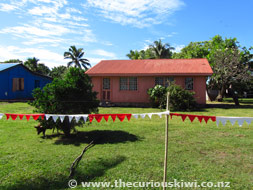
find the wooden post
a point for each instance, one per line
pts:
(166, 141)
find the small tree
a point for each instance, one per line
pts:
(71, 95)
(180, 99)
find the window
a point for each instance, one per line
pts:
(189, 83)
(106, 83)
(133, 83)
(17, 84)
(128, 83)
(123, 83)
(163, 81)
(36, 84)
(159, 81)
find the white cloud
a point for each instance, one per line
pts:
(47, 57)
(94, 61)
(7, 7)
(178, 48)
(139, 13)
(103, 53)
(45, 30)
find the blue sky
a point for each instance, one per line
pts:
(109, 29)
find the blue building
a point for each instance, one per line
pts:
(17, 81)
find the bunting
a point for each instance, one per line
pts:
(143, 115)
(99, 117)
(34, 116)
(55, 117)
(122, 117)
(233, 120)
(192, 117)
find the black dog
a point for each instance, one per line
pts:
(40, 129)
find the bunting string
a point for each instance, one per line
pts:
(233, 120)
(98, 117)
(28, 116)
(192, 117)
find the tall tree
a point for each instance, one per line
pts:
(13, 61)
(58, 72)
(215, 50)
(230, 72)
(157, 50)
(43, 69)
(34, 65)
(76, 57)
(161, 51)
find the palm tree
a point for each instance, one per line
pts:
(161, 51)
(32, 64)
(76, 57)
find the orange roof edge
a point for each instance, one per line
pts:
(151, 67)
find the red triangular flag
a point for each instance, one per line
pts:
(191, 117)
(91, 117)
(128, 116)
(213, 118)
(106, 117)
(42, 116)
(7, 116)
(200, 118)
(113, 117)
(21, 116)
(35, 117)
(121, 117)
(98, 117)
(27, 117)
(14, 116)
(206, 118)
(183, 116)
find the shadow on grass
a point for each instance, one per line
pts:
(94, 169)
(98, 136)
(229, 106)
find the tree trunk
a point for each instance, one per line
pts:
(66, 128)
(234, 95)
(221, 93)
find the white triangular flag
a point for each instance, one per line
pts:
(55, 117)
(78, 118)
(70, 118)
(159, 114)
(143, 115)
(232, 120)
(135, 116)
(1, 115)
(62, 117)
(223, 120)
(85, 118)
(150, 115)
(248, 120)
(47, 116)
(240, 122)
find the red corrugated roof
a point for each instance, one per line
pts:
(151, 67)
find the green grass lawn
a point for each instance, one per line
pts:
(130, 150)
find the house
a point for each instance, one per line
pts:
(125, 82)
(18, 82)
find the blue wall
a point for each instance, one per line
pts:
(19, 71)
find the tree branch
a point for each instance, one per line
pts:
(78, 159)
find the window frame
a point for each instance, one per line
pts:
(18, 84)
(189, 82)
(163, 81)
(128, 84)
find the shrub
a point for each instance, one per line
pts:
(157, 96)
(180, 99)
(71, 95)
